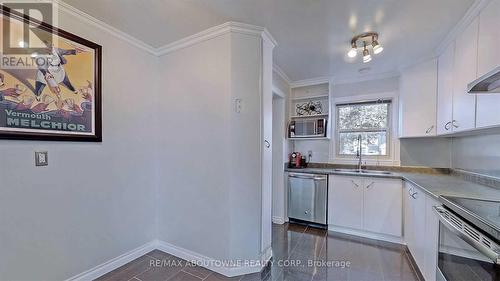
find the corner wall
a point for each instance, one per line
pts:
(210, 194)
(94, 201)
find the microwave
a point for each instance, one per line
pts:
(307, 128)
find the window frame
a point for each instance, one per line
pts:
(388, 129)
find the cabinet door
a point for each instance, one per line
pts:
(382, 211)
(418, 94)
(445, 90)
(489, 38)
(409, 227)
(418, 213)
(431, 239)
(345, 199)
(488, 59)
(465, 71)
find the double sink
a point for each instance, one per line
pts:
(362, 171)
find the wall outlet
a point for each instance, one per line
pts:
(41, 158)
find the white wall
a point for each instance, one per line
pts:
(278, 206)
(371, 87)
(194, 184)
(281, 147)
(210, 187)
(94, 201)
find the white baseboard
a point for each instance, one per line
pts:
(266, 256)
(211, 263)
(199, 259)
(278, 220)
(366, 234)
(114, 263)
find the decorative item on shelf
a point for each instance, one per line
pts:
(309, 108)
(364, 41)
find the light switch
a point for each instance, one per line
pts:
(41, 158)
(237, 105)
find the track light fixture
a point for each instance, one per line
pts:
(366, 40)
(353, 52)
(366, 54)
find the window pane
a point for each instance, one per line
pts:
(372, 143)
(363, 116)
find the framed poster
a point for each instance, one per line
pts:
(50, 82)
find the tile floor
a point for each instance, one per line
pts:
(336, 257)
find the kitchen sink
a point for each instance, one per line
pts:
(363, 171)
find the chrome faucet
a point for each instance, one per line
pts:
(359, 154)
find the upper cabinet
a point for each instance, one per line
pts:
(445, 91)
(488, 59)
(489, 38)
(418, 94)
(464, 72)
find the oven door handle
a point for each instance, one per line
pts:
(490, 253)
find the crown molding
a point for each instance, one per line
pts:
(204, 35)
(311, 81)
(63, 6)
(216, 31)
(464, 22)
(281, 73)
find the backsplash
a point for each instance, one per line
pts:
(480, 154)
(426, 152)
(320, 149)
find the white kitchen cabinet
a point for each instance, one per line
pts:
(488, 56)
(366, 204)
(382, 208)
(409, 225)
(418, 97)
(464, 72)
(345, 201)
(421, 229)
(431, 239)
(415, 223)
(445, 91)
(488, 59)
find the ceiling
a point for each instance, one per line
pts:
(313, 35)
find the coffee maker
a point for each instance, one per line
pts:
(296, 160)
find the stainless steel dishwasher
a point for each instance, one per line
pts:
(307, 197)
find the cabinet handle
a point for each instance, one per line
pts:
(429, 130)
(454, 124)
(410, 190)
(267, 143)
(355, 184)
(370, 185)
(446, 127)
(414, 195)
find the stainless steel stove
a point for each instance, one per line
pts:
(469, 238)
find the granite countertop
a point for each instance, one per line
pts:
(431, 182)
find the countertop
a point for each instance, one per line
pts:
(433, 184)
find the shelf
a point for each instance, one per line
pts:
(325, 96)
(309, 116)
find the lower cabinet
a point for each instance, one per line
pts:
(367, 204)
(421, 229)
(345, 201)
(386, 207)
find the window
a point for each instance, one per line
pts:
(368, 120)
